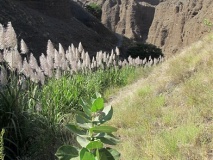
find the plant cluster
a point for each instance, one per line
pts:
(91, 134)
(145, 51)
(95, 10)
(58, 62)
(36, 98)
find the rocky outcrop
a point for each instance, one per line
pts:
(178, 23)
(62, 21)
(130, 18)
(169, 24)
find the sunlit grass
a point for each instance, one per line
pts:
(169, 114)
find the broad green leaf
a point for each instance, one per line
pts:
(83, 141)
(83, 122)
(67, 152)
(107, 138)
(75, 130)
(104, 154)
(82, 152)
(105, 115)
(114, 153)
(86, 155)
(82, 114)
(97, 105)
(97, 155)
(103, 129)
(94, 145)
(85, 107)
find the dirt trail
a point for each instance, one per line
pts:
(125, 92)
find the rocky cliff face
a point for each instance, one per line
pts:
(169, 24)
(178, 23)
(130, 18)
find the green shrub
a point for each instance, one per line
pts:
(91, 133)
(95, 10)
(144, 51)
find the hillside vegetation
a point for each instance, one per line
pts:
(169, 114)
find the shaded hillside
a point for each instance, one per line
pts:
(61, 21)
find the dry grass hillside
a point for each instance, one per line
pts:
(169, 114)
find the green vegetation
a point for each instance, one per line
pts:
(37, 101)
(95, 10)
(91, 133)
(144, 51)
(167, 114)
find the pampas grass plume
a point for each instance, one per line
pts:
(23, 47)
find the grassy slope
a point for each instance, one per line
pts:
(169, 114)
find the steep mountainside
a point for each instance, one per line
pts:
(179, 23)
(169, 24)
(61, 21)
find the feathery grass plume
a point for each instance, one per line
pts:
(58, 73)
(1, 36)
(104, 57)
(64, 64)
(50, 49)
(83, 55)
(9, 57)
(10, 39)
(17, 60)
(44, 64)
(41, 76)
(61, 49)
(79, 65)
(73, 49)
(87, 59)
(3, 76)
(144, 61)
(26, 69)
(33, 62)
(23, 47)
(57, 59)
(77, 54)
(155, 61)
(117, 51)
(50, 62)
(80, 47)
(2, 144)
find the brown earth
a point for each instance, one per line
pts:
(62, 21)
(179, 23)
(169, 24)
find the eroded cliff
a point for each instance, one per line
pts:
(169, 24)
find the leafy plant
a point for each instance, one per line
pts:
(91, 133)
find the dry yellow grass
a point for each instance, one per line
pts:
(169, 114)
